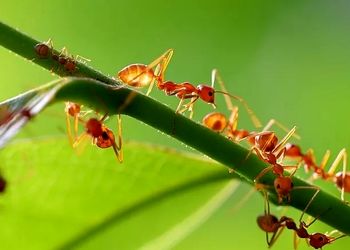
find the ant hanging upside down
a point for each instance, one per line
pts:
(101, 135)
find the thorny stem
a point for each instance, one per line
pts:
(122, 99)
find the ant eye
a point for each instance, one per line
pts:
(278, 186)
(320, 238)
(210, 93)
(104, 135)
(292, 184)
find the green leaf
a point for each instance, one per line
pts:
(73, 203)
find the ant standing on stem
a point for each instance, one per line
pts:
(140, 75)
(341, 179)
(268, 149)
(45, 50)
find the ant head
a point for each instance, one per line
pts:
(106, 139)
(206, 93)
(215, 121)
(268, 223)
(283, 185)
(94, 127)
(2, 184)
(343, 181)
(72, 108)
(318, 240)
(293, 150)
(266, 141)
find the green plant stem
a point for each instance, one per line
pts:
(121, 99)
(107, 99)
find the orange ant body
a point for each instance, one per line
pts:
(140, 75)
(101, 135)
(271, 224)
(341, 179)
(206, 93)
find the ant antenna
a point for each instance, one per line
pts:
(216, 76)
(250, 112)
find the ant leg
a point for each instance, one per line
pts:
(162, 62)
(194, 98)
(81, 59)
(262, 173)
(233, 120)
(307, 207)
(76, 123)
(318, 170)
(179, 106)
(280, 229)
(118, 148)
(69, 130)
(191, 105)
(342, 155)
(216, 76)
(283, 142)
(272, 122)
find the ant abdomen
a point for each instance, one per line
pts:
(268, 223)
(106, 139)
(136, 75)
(343, 181)
(215, 121)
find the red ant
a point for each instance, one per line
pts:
(68, 62)
(140, 75)
(204, 92)
(44, 49)
(268, 149)
(271, 224)
(341, 179)
(101, 135)
(219, 123)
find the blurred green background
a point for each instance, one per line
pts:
(288, 59)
